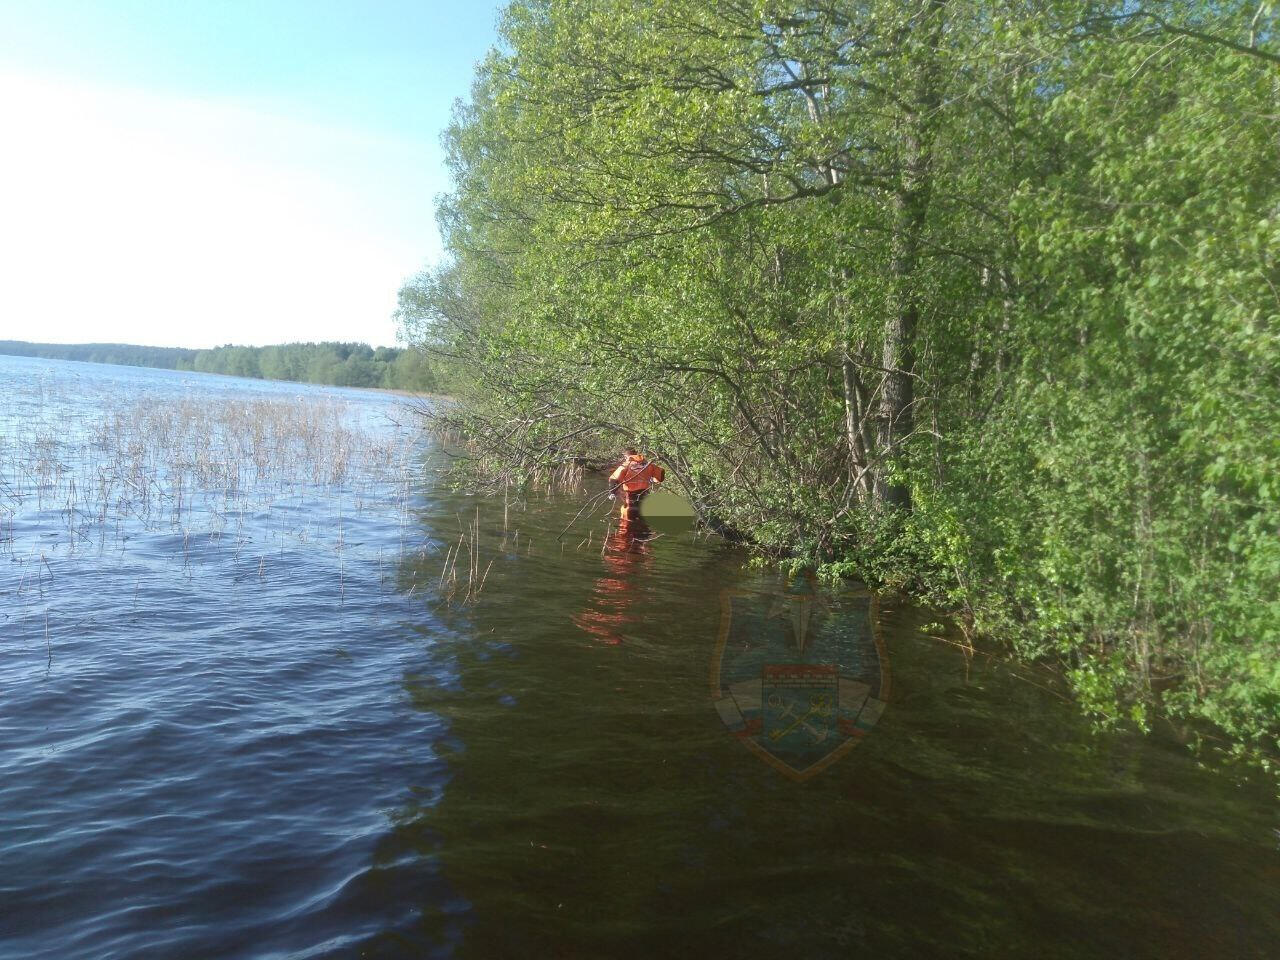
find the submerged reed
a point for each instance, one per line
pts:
(81, 472)
(452, 587)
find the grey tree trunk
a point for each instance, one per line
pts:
(910, 209)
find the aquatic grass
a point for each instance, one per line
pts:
(82, 472)
(165, 463)
(452, 589)
(243, 477)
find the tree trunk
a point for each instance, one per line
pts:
(910, 208)
(853, 422)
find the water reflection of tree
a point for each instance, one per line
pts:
(595, 806)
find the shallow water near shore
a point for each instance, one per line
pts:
(240, 718)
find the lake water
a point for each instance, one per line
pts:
(242, 714)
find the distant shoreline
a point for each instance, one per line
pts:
(397, 391)
(355, 366)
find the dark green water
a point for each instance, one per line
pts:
(246, 724)
(596, 806)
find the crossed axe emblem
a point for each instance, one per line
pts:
(819, 706)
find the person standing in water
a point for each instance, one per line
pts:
(632, 480)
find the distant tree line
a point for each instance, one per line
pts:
(167, 358)
(337, 364)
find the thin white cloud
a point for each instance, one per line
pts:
(127, 216)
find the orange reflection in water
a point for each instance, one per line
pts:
(608, 613)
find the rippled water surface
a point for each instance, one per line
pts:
(240, 718)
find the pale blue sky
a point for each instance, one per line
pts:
(195, 173)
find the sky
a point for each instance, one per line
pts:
(248, 171)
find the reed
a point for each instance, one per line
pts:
(452, 587)
(91, 472)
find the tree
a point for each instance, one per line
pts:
(974, 299)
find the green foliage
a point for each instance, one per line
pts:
(337, 364)
(975, 300)
(168, 358)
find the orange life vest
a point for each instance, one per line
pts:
(636, 475)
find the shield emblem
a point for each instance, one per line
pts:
(799, 674)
